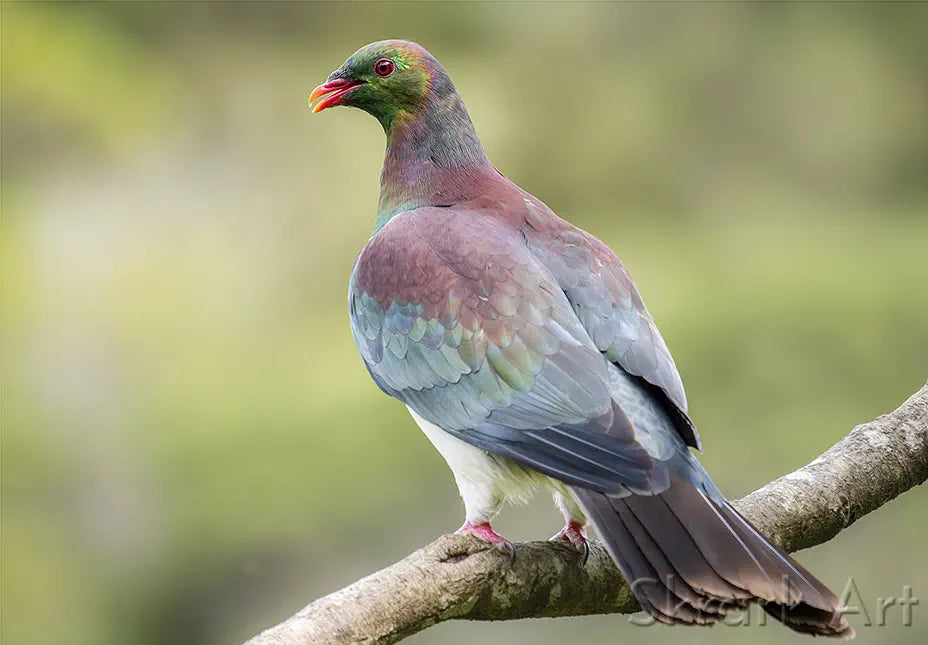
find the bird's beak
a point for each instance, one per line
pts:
(336, 89)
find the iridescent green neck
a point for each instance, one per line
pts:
(433, 157)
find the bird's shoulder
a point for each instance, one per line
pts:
(423, 254)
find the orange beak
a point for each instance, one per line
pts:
(334, 91)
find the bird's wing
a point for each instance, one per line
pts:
(609, 307)
(454, 316)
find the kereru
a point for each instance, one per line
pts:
(525, 353)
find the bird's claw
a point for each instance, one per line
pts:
(486, 533)
(575, 533)
(510, 550)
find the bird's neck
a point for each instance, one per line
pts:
(433, 158)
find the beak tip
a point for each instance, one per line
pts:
(318, 92)
(336, 88)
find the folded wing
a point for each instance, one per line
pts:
(461, 322)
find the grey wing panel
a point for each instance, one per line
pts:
(609, 307)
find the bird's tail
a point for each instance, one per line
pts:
(689, 558)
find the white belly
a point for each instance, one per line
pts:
(484, 480)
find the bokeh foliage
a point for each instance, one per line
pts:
(190, 446)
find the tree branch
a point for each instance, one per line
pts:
(460, 577)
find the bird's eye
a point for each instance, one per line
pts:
(384, 67)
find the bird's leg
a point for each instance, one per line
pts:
(485, 532)
(574, 530)
(575, 533)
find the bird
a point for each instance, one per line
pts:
(524, 351)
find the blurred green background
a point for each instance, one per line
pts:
(192, 450)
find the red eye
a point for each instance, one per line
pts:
(384, 67)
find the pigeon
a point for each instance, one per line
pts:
(525, 353)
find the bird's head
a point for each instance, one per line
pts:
(387, 79)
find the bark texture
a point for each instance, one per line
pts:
(460, 577)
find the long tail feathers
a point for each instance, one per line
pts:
(690, 559)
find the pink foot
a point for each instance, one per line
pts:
(574, 533)
(486, 533)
